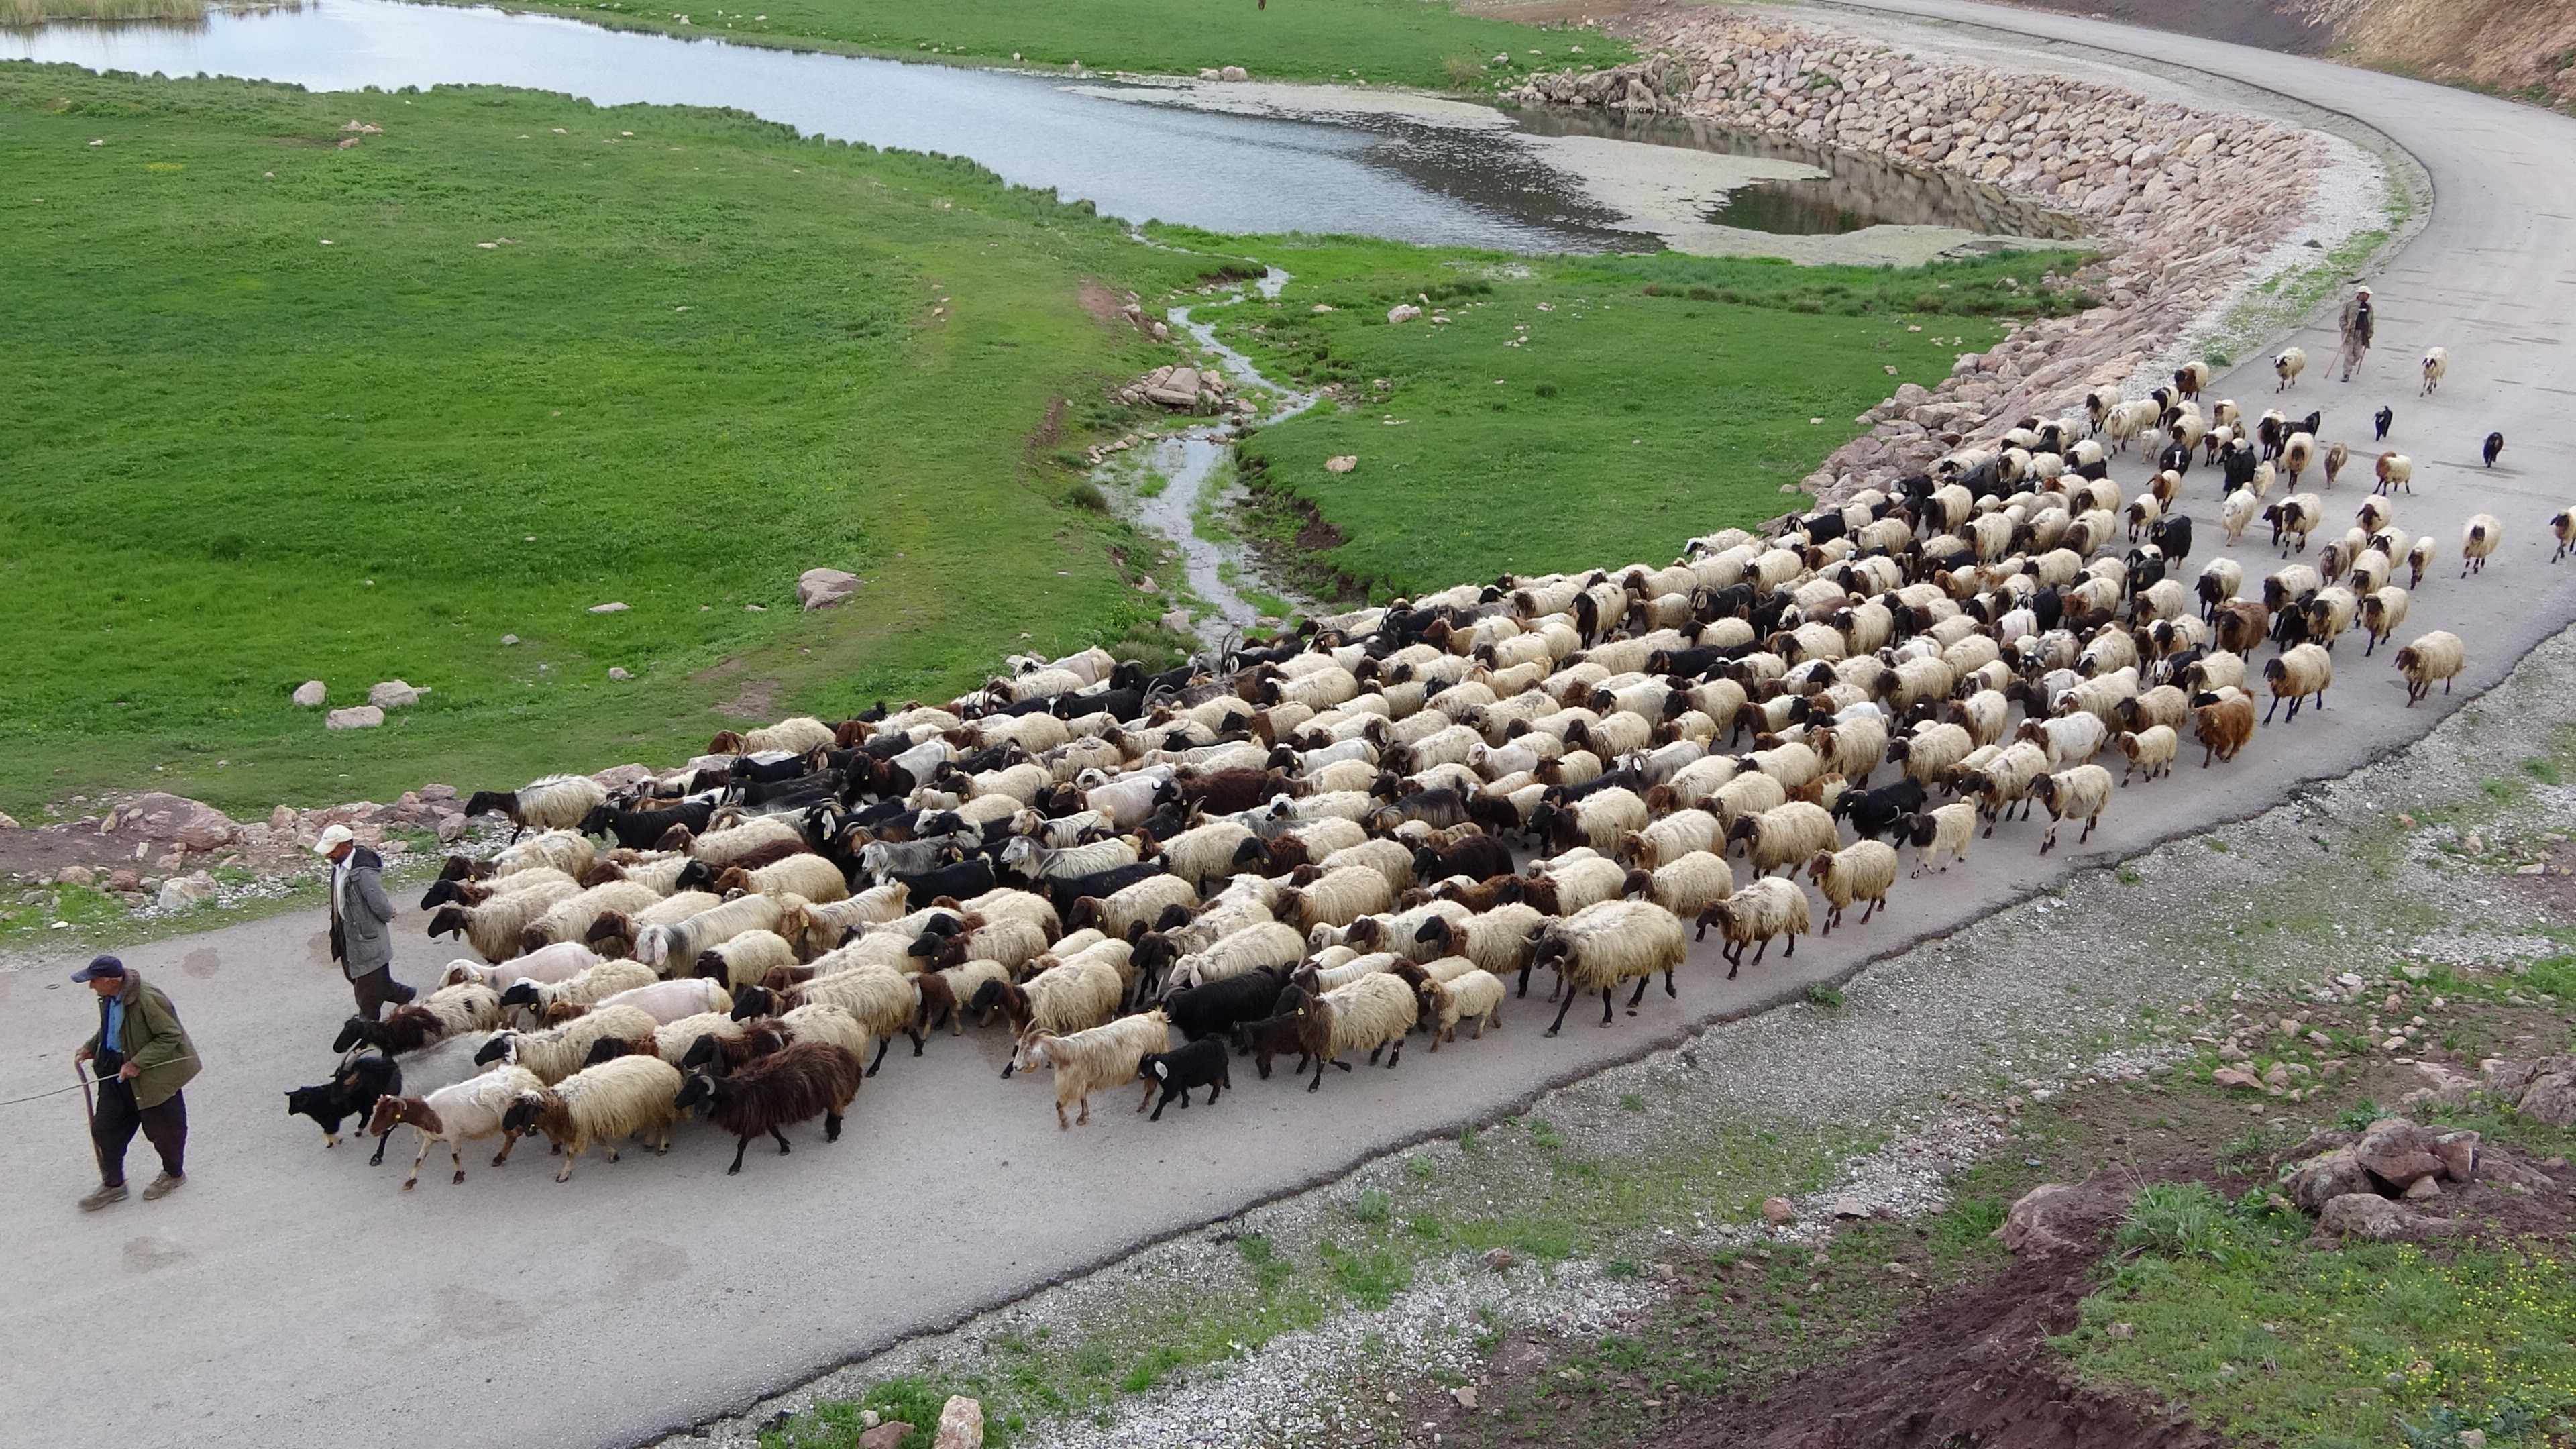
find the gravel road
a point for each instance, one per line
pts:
(293, 1297)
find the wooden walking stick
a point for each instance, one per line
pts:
(89, 1105)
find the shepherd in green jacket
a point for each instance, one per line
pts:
(144, 1057)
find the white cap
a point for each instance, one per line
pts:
(332, 839)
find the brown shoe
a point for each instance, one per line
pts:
(107, 1193)
(162, 1187)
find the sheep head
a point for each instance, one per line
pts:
(503, 1047)
(355, 1030)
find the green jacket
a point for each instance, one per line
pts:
(152, 1039)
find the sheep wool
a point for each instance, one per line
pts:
(556, 1052)
(627, 1097)
(2435, 657)
(1763, 910)
(1089, 1061)
(1607, 943)
(1472, 995)
(1862, 871)
(463, 1112)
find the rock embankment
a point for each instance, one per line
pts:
(2183, 201)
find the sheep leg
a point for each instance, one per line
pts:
(1765, 947)
(1396, 1055)
(508, 1141)
(1669, 990)
(1525, 970)
(1871, 909)
(1640, 993)
(1734, 960)
(915, 1034)
(782, 1142)
(379, 1159)
(831, 1126)
(740, 1146)
(414, 1180)
(1560, 1015)
(886, 1041)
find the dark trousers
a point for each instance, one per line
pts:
(164, 1125)
(377, 990)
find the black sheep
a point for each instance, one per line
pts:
(1063, 891)
(2173, 535)
(2495, 445)
(771, 1092)
(1873, 813)
(1199, 1064)
(352, 1092)
(1219, 1006)
(2384, 418)
(638, 829)
(1475, 857)
(965, 879)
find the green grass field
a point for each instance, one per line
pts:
(281, 411)
(1382, 42)
(1562, 417)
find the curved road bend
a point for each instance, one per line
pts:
(292, 1297)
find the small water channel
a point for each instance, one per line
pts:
(1184, 464)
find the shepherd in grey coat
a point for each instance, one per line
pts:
(362, 938)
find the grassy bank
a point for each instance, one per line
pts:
(282, 410)
(1422, 43)
(1570, 412)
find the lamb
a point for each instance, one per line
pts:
(1376, 1011)
(746, 959)
(1473, 995)
(2394, 471)
(2151, 749)
(556, 1052)
(2478, 539)
(2437, 365)
(2287, 365)
(556, 802)
(1781, 838)
(495, 928)
(2420, 559)
(1945, 831)
(2237, 510)
(776, 1091)
(657, 945)
(2562, 526)
(1863, 871)
(587, 989)
(1090, 1061)
(1761, 911)
(2297, 674)
(631, 1096)
(1064, 999)
(355, 1085)
(2080, 793)
(1201, 1063)
(2438, 655)
(467, 1111)
(447, 1012)
(1609, 942)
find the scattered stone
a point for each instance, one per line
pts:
(123, 881)
(2369, 1216)
(186, 891)
(2422, 1188)
(1499, 1259)
(2053, 1218)
(1145, 585)
(1234, 73)
(509, 639)
(612, 607)
(1465, 1394)
(1402, 312)
(359, 717)
(1176, 620)
(394, 694)
(887, 1435)
(821, 588)
(961, 1424)
(1850, 1207)
(75, 875)
(451, 828)
(8, 821)
(1342, 464)
(310, 694)
(615, 672)
(2236, 1077)
(282, 818)
(1778, 1211)
(2322, 1179)
(187, 824)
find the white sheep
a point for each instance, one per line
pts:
(1945, 831)
(1766, 909)
(2438, 655)
(2151, 749)
(746, 959)
(1784, 837)
(1472, 995)
(556, 1052)
(556, 802)
(1861, 871)
(1094, 1060)
(2437, 365)
(629, 1096)
(668, 1001)
(467, 1111)
(2296, 675)
(1609, 942)
(672, 945)
(2394, 471)
(2287, 364)
(496, 928)
(2081, 793)
(2478, 539)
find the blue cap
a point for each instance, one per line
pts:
(100, 966)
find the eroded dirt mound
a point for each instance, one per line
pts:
(1969, 1367)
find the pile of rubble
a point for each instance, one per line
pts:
(1187, 389)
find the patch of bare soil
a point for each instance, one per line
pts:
(756, 700)
(1970, 1367)
(1106, 307)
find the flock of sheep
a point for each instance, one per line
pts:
(1317, 846)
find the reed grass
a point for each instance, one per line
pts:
(39, 12)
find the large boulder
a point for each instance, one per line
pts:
(2369, 1216)
(2062, 1217)
(2396, 1152)
(357, 717)
(1177, 389)
(186, 891)
(394, 694)
(310, 694)
(820, 588)
(189, 824)
(961, 1424)
(2541, 1088)
(2320, 1180)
